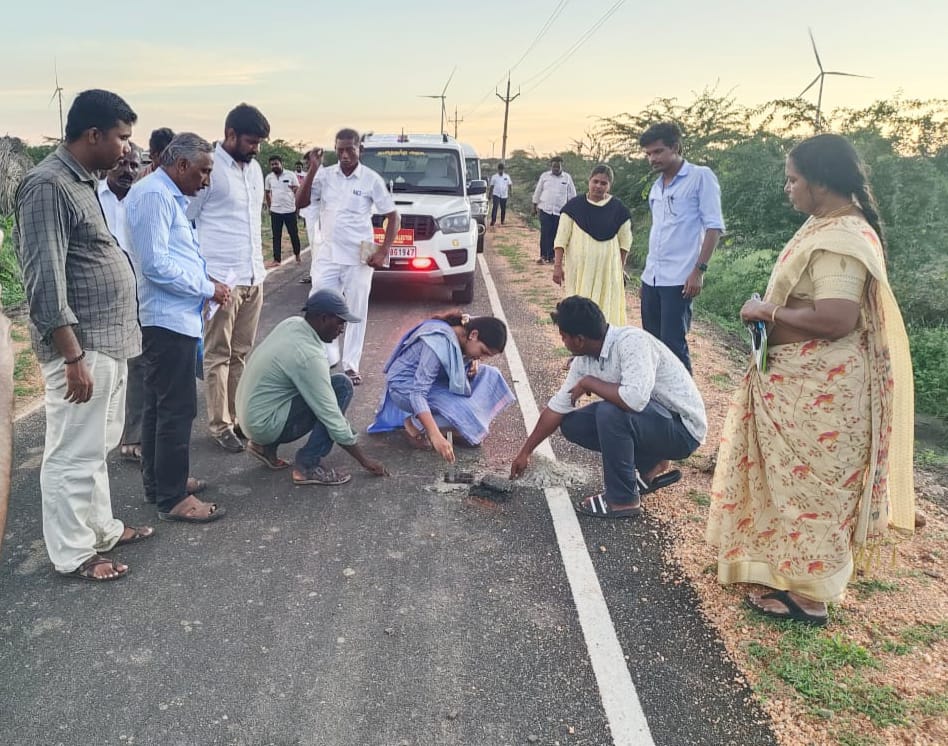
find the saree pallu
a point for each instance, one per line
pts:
(792, 468)
(815, 463)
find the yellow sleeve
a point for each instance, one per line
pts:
(625, 236)
(563, 232)
(837, 276)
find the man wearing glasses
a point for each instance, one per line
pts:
(685, 202)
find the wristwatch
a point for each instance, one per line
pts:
(701, 266)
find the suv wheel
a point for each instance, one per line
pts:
(463, 295)
(480, 243)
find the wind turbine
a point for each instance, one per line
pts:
(58, 92)
(444, 111)
(820, 79)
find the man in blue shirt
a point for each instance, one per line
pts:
(686, 224)
(172, 288)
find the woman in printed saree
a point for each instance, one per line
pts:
(434, 380)
(592, 240)
(815, 462)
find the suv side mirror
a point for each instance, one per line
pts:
(477, 186)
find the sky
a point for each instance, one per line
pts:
(314, 67)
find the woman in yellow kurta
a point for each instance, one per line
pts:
(815, 462)
(593, 238)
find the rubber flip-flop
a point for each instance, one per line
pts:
(597, 507)
(794, 611)
(139, 533)
(271, 461)
(662, 480)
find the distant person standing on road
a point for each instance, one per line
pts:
(554, 189)
(592, 240)
(80, 287)
(173, 286)
(228, 216)
(344, 254)
(647, 409)
(112, 191)
(685, 202)
(288, 392)
(280, 189)
(498, 190)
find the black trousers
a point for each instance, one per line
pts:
(170, 395)
(548, 225)
(496, 202)
(277, 221)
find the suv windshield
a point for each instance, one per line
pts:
(473, 169)
(418, 170)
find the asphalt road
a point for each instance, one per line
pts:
(388, 611)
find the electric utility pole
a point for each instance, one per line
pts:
(455, 122)
(506, 100)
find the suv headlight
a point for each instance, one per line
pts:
(459, 222)
(478, 208)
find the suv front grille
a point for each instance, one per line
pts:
(423, 225)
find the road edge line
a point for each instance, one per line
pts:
(617, 691)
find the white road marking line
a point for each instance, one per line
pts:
(620, 701)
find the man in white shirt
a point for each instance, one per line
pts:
(112, 191)
(228, 217)
(648, 409)
(344, 255)
(280, 191)
(498, 190)
(554, 189)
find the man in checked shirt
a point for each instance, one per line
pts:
(84, 326)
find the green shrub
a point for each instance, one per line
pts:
(930, 363)
(9, 269)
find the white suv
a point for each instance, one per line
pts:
(437, 239)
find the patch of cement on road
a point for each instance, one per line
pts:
(35, 560)
(44, 625)
(543, 473)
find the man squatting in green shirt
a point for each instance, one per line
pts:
(286, 391)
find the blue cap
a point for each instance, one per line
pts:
(331, 302)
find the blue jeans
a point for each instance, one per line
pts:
(302, 420)
(666, 315)
(548, 225)
(628, 441)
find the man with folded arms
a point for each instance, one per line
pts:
(648, 409)
(287, 391)
(172, 291)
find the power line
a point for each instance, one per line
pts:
(547, 71)
(554, 14)
(542, 32)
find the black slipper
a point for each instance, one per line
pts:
(662, 480)
(597, 507)
(794, 611)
